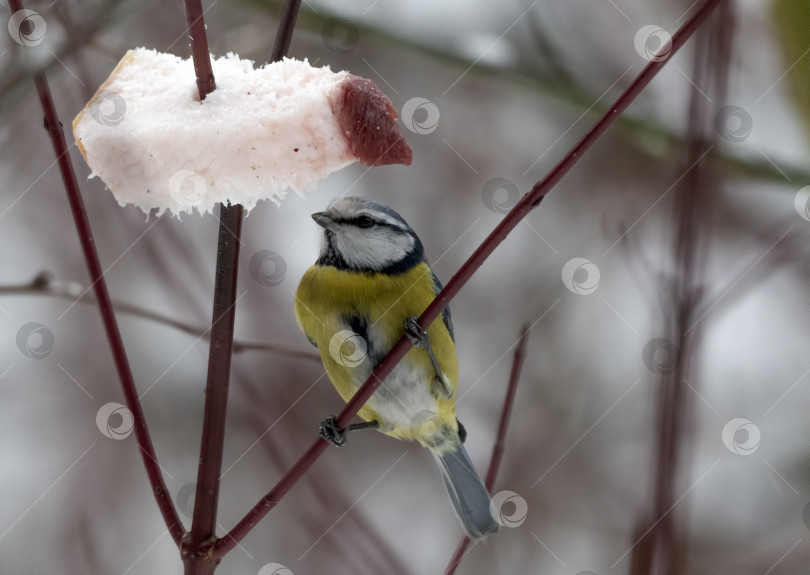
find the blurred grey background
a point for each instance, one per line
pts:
(684, 323)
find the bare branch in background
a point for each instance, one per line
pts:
(500, 438)
(91, 23)
(44, 285)
(658, 543)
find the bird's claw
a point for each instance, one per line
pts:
(329, 431)
(415, 332)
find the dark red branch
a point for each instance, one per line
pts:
(510, 221)
(500, 438)
(197, 550)
(57, 135)
(203, 524)
(285, 30)
(199, 48)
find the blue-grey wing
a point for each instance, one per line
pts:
(448, 320)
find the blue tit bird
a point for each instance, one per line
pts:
(368, 287)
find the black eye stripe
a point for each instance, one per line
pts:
(375, 221)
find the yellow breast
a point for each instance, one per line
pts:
(328, 298)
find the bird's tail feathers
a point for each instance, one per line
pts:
(467, 492)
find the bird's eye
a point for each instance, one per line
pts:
(364, 222)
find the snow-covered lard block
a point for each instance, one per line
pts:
(146, 134)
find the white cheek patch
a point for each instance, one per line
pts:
(376, 251)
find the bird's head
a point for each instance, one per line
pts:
(364, 235)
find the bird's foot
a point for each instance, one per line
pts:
(330, 431)
(419, 338)
(415, 332)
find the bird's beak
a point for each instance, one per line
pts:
(324, 220)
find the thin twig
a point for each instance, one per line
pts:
(92, 22)
(43, 285)
(500, 438)
(199, 48)
(506, 412)
(198, 546)
(509, 222)
(57, 135)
